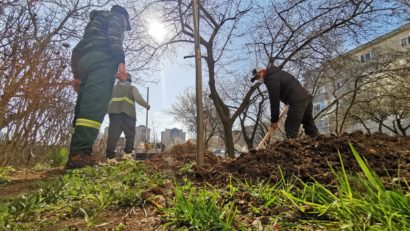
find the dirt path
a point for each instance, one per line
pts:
(22, 181)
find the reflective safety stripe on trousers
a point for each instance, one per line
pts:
(87, 123)
(123, 99)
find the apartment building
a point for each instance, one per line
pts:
(142, 133)
(354, 77)
(173, 136)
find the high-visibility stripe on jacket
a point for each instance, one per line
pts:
(124, 97)
(87, 123)
(120, 99)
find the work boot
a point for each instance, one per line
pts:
(127, 156)
(79, 160)
(110, 158)
(111, 161)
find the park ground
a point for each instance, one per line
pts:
(348, 182)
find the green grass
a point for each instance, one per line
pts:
(4, 172)
(59, 158)
(199, 209)
(82, 193)
(360, 202)
(357, 201)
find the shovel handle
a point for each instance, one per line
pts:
(265, 138)
(146, 124)
(271, 129)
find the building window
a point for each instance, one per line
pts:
(366, 57)
(319, 105)
(405, 41)
(322, 123)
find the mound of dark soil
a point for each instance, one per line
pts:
(305, 158)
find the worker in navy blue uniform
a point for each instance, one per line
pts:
(282, 86)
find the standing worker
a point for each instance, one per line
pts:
(95, 61)
(123, 117)
(282, 86)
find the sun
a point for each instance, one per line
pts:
(157, 31)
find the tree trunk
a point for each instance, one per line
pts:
(381, 126)
(248, 140)
(229, 145)
(352, 102)
(400, 127)
(221, 108)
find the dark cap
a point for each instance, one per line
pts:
(254, 72)
(123, 11)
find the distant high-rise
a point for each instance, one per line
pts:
(173, 136)
(141, 134)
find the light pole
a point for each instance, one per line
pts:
(200, 146)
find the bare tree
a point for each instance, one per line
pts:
(35, 103)
(301, 34)
(219, 29)
(387, 102)
(297, 31)
(184, 110)
(253, 120)
(286, 31)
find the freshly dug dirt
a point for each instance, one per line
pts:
(303, 157)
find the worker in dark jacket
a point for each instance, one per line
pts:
(95, 61)
(123, 116)
(282, 86)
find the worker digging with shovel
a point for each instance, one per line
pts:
(282, 86)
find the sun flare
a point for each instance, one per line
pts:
(157, 31)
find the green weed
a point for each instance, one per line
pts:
(4, 172)
(188, 168)
(262, 191)
(59, 158)
(81, 193)
(360, 202)
(199, 209)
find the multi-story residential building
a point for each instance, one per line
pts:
(142, 133)
(173, 136)
(349, 89)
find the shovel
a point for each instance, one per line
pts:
(265, 138)
(143, 156)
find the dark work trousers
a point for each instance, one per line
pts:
(97, 70)
(120, 123)
(300, 113)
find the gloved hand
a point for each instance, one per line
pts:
(274, 126)
(75, 83)
(148, 107)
